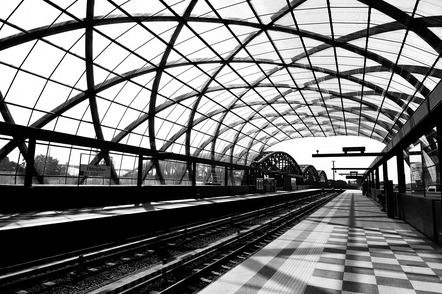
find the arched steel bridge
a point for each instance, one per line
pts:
(282, 166)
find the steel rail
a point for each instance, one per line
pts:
(219, 248)
(31, 272)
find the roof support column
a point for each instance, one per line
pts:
(226, 175)
(364, 186)
(140, 170)
(377, 178)
(439, 149)
(385, 173)
(193, 174)
(388, 193)
(30, 162)
(367, 181)
(400, 171)
(372, 179)
(439, 169)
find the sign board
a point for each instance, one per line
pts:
(87, 170)
(416, 170)
(259, 184)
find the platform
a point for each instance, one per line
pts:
(347, 246)
(54, 232)
(10, 221)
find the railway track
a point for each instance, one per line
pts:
(191, 274)
(153, 253)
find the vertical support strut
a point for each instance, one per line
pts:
(140, 170)
(30, 163)
(377, 184)
(439, 170)
(400, 171)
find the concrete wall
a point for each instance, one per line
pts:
(424, 214)
(19, 198)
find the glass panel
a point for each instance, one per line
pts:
(428, 7)
(348, 19)
(406, 6)
(26, 96)
(234, 9)
(140, 6)
(252, 88)
(288, 45)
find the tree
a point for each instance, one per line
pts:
(5, 164)
(47, 165)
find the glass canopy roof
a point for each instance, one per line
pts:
(218, 79)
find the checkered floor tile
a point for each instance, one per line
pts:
(349, 246)
(373, 260)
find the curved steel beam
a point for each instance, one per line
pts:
(419, 27)
(98, 24)
(111, 82)
(91, 85)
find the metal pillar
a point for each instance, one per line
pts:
(30, 163)
(368, 182)
(193, 174)
(389, 195)
(140, 170)
(365, 186)
(439, 170)
(377, 185)
(385, 172)
(400, 171)
(439, 150)
(196, 190)
(226, 174)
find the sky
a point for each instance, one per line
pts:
(302, 149)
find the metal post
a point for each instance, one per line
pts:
(400, 171)
(424, 185)
(367, 179)
(226, 174)
(333, 175)
(140, 170)
(389, 198)
(385, 172)
(439, 170)
(377, 184)
(439, 151)
(196, 190)
(193, 174)
(30, 163)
